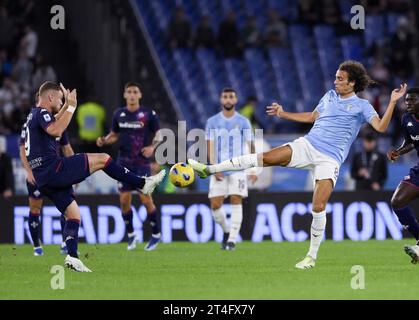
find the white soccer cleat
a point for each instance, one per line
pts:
(75, 264)
(200, 168)
(307, 263)
(132, 242)
(152, 182)
(413, 252)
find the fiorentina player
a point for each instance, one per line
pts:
(136, 127)
(408, 189)
(336, 123)
(55, 175)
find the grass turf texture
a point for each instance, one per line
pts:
(202, 271)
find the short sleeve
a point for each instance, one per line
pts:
(154, 122)
(368, 112)
(22, 136)
(45, 119)
(115, 124)
(210, 131)
(247, 131)
(320, 106)
(64, 139)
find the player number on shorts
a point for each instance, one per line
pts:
(27, 142)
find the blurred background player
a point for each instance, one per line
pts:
(408, 189)
(228, 135)
(136, 128)
(336, 120)
(369, 167)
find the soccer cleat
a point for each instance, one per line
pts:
(63, 248)
(307, 263)
(224, 243)
(75, 264)
(132, 242)
(152, 244)
(152, 182)
(413, 252)
(200, 168)
(230, 246)
(38, 251)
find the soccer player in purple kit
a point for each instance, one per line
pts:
(408, 189)
(136, 127)
(55, 175)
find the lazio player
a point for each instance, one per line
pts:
(336, 123)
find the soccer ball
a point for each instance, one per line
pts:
(181, 175)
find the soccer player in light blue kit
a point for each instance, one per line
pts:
(228, 135)
(337, 120)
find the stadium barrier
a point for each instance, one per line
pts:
(187, 217)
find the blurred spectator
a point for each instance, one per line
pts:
(369, 167)
(91, 121)
(275, 31)
(374, 6)
(248, 110)
(180, 30)
(309, 11)
(22, 70)
(379, 72)
(402, 44)
(19, 115)
(8, 96)
(205, 36)
(7, 29)
(6, 65)
(43, 73)
(6, 171)
(250, 33)
(29, 42)
(229, 36)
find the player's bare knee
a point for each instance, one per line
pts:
(236, 200)
(319, 207)
(216, 204)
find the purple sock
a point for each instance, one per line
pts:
(71, 235)
(62, 222)
(153, 219)
(408, 220)
(120, 173)
(33, 223)
(127, 216)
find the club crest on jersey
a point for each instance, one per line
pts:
(349, 107)
(410, 124)
(122, 114)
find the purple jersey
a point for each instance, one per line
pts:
(42, 149)
(63, 141)
(136, 131)
(410, 127)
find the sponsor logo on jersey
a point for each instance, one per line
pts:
(131, 125)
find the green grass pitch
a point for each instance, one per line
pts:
(202, 271)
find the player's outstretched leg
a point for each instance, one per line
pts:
(71, 231)
(322, 192)
(102, 161)
(34, 225)
(405, 194)
(153, 220)
(279, 156)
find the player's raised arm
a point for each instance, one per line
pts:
(381, 125)
(277, 110)
(56, 128)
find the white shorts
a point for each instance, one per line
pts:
(233, 184)
(305, 156)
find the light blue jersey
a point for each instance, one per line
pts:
(339, 122)
(231, 136)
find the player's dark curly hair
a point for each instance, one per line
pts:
(356, 72)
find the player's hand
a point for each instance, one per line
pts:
(253, 178)
(147, 151)
(363, 172)
(274, 109)
(376, 186)
(396, 94)
(100, 142)
(393, 155)
(70, 97)
(219, 176)
(31, 178)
